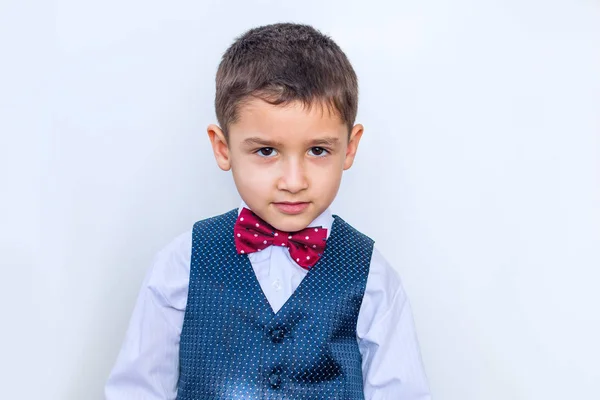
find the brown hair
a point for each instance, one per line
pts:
(282, 63)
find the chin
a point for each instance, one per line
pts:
(292, 223)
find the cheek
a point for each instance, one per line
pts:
(327, 180)
(250, 178)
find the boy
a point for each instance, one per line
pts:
(278, 299)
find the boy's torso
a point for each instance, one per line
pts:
(233, 344)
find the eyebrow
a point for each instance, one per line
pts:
(256, 141)
(326, 141)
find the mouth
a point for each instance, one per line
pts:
(291, 208)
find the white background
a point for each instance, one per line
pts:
(478, 175)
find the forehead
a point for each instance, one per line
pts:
(290, 121)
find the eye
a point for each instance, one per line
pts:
(318, 152)
(266, 152)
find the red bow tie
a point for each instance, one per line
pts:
(252, 234)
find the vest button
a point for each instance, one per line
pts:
(275, 380)
(277, 335)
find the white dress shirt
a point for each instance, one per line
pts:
(147, 367)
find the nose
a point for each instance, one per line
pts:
(293, 178)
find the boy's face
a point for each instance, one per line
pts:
(287, 161)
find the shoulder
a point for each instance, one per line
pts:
(169, 274)
(176, 251)
(348, 231)
(384, 290)
(380, 272)
(384, 296)
(383, 276)
(218, 221)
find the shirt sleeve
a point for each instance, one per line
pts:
(147, 367)
(392, 366)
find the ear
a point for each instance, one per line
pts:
(220, 147)
(355, 136)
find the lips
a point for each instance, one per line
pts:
(291, 208)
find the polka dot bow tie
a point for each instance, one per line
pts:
(252, 234)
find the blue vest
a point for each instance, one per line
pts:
(233, 346)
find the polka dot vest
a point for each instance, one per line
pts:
(233, 346)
